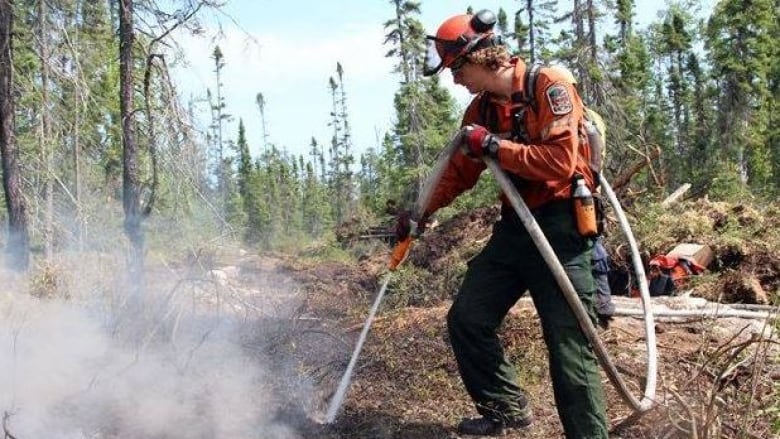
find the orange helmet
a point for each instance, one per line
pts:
(458, 36)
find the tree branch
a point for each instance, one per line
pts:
(7, 433)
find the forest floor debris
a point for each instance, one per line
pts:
(716, 376)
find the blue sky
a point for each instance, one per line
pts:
(288, 51)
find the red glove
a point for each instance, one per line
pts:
(480, 142)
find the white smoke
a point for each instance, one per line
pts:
(69, 370)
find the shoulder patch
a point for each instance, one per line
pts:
(559, 99)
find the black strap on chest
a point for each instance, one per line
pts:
(528, 95)
(522, 101)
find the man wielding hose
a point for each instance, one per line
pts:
(535, 132)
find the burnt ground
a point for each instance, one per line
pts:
(716, 378)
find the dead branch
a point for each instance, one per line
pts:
(717, 384)
(689, 411)
(742, 432)
(717, 353)
(758, 364)
(7, 433)
(625, 177)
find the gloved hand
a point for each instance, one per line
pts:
(481, 143)
(405, 225)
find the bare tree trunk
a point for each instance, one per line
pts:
(579, 43)
(594, 94)
(45, 141)
(529, 5)
(402, 50)
(80, 220)
(131, 186)
(592, 40)
(18, 247)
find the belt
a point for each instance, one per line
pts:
(553, 207)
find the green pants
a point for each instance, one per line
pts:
(495, 280)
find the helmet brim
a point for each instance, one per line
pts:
(433, 64)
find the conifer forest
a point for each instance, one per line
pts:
(83, 126)
(107, 168)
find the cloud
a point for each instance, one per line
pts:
(292, 70)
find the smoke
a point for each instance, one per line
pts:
(175, 369)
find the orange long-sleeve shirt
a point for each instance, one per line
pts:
(556, 151)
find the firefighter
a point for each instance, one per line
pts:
(537, 137)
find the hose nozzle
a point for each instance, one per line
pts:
(400, 252)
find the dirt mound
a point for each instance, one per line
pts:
(745, 240)
(456, 239)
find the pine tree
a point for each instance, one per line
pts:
(502, 27)
(406, 38)
(219, 116)
(368, 180)
(316, 208)
(95, 130)
(424, 109)
(46, 141)
(676, 36)
(741, 45)
(580, 50)
(342, 146)
(699, 156)
(534, 29)
(774, 110)
(244, 177)
(625, 111)
(260, 101)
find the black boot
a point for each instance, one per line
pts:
(481, 427)
(604, 320)
(491, 427)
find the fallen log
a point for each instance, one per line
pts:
(701, 313)
(676, 195)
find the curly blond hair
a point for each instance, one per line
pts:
(491, 57)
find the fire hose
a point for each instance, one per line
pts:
(401, 251)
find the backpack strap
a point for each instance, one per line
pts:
(529, 87)
(488, 113)
(523, 99)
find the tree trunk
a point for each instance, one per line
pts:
(593, 94)
(81, 224)
(18, 239)
(130, 178)
(406, 69)
(45, 141)
(579, 44)
(531, 30)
